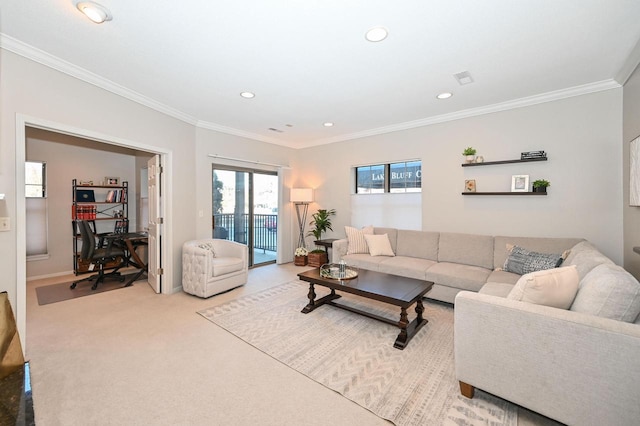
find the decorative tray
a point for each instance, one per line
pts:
(338, 271)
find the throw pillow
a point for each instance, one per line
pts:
(357, 244)
(209, 247)
(379, 245)
(609, 291)
(522, 261)
(552, 287)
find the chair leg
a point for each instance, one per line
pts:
(467, 390)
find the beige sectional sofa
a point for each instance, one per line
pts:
(579, 366)
(453, 261)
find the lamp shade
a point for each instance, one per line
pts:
(301, 195)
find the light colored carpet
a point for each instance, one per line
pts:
(354, 355)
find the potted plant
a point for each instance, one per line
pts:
(300, 256)
(470, 154)
(321, 223)
(540, 185)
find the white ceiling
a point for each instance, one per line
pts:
(308, 61)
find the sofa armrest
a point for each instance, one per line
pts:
(339, 249)
(572, 367)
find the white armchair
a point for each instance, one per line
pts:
(211, 266)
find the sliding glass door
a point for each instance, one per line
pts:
(245, 210)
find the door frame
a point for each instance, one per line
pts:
(24, 121)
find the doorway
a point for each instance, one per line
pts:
(245, 210)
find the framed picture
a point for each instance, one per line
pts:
(115, 181)
(520, 183)
(86, 182)
(470, 185)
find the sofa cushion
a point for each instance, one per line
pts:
(467, 249)
(609, 291)
(503, 277)
(357, 243)
(464, 277)
(496, 289)
(379, 245)
(225, 265)
(418, 244)
(586, 257)
(522, 261)
(539, 244)
(411, 267)
(552, 287)
(364, 261)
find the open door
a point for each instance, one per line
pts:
(155, 224)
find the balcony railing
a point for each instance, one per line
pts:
(233, 227)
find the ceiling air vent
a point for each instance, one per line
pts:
(276, 130)
(463, 78)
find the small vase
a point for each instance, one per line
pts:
(300, 260)
(469, 158)
(540, 189)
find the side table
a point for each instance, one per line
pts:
(327, 244)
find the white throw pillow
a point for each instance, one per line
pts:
(379, 245)
(551, 287)
(357, 243)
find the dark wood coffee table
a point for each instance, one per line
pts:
(392, 289)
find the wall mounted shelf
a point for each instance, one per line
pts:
(504, 193)
(492, 163)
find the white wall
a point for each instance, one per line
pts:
(631, 214)
(581, 136)
(70, 158)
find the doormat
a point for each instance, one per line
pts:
(60, 292)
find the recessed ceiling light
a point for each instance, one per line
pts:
(94, 11)
(376, 34)
(444, 95)
(247, 95)
(327, 124)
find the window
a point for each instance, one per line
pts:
(36, 208)
(35, 179)
(394, 177)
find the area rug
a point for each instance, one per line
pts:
(354, 355)
(59, 292)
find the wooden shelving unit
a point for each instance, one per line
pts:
(103, 210)
(493, 163)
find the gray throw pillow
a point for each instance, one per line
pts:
(522, 261)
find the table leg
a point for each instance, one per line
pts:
(312, 296)
(419, 310)
(403, 337)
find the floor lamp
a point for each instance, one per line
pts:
(301, 197)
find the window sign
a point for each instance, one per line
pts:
(370, 179)
(395, 177)
(406, 177)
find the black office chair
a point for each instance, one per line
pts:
(98, 256)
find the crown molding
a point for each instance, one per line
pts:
(19, 48)
(243, 134)
(472, 112)
(13, 45)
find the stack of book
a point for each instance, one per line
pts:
(84, 212)
(530, 155)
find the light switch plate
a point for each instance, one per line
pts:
(5, 224)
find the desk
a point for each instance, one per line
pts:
(131, 241)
